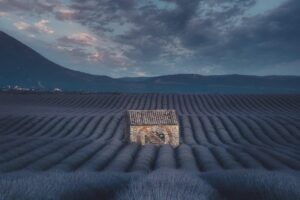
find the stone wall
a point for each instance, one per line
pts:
(155, 134)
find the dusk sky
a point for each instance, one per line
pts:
(156, 37)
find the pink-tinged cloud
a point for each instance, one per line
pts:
(95, 57)
(42, 27)
(65, 14)
(38, 27)
(3, 14)
(80, 39)
(22, 26)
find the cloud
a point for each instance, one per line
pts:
(75, 52)
(38, 27)
(64, 13)
(172, 36)
(3, 14)
(95, 57)
(264, 40)
(35, 7)
(79, 39)
(223, 39)
(42, 27)
(82, 45)
(22, 25)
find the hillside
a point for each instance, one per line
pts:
(24, 67)
(73, 146)
(224, 84)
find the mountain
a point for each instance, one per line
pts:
(22, 66)
(190, 83)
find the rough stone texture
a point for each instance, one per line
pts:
(153, 127)
(155, 134)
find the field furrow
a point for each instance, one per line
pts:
(87, 132)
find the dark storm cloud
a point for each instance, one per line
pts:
(264, 40)
(198, 33)
(98, 15)
(153, 24)
(33, 6)
(196, 28)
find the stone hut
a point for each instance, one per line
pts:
(153, 127)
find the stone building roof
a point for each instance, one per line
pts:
(152, 117)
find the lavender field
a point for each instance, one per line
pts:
(232, 146)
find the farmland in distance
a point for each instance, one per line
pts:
(86, 132)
